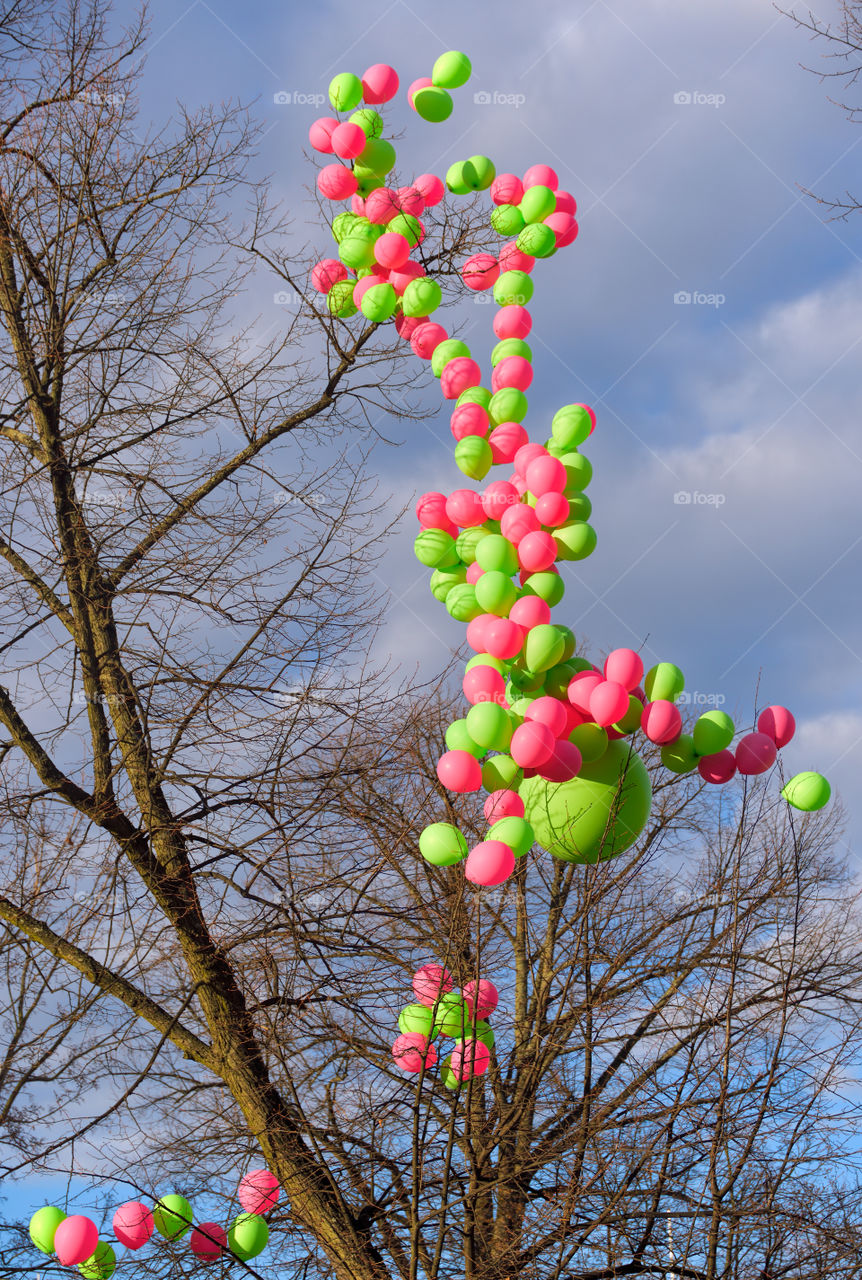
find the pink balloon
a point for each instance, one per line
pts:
(411, 200)
(564, 764)
(512, 259)
(400, 277)
(357, 206)
(532, 744)
(499, 497)
(320, 134)
(530, 611)
(258, 1191)
(464, 508)
(348, 141)
(550, 712)
(481, 997)
(537, 551)
(407, 325)
(336, 182)
(381, 205)
(755, 753)
(326, 273)
(431, 188)
(480, 271)
(430, 983)
(506, 189)
(778, 724)
(412, 1051)
(391, 250)
(552, 509)
(431, 511)
(469, 420)
(503, 638)
(362, 286)
(717, 768)
(513, 371)
(483, 684)
(506, 440)
(133, 1224)
(520, 484)
(526, 455)
(489, 863)
(661, 722)
(524, 576)
(541, 175)
(609, 702)
(424, 82)
(426, 338)
(566, 202)
(503, 804)
(545, 475)
(379, 84)
(474, 572)
(624, 666)
(513, 321)
(564, 227)
(459, 771)
(458, 375)
(476, 632)
(75, 1240)
(208, 1241)
(517, 521)
(470, 1059)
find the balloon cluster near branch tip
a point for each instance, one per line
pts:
(442, 1011)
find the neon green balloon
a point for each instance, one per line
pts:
(537, 240)
(513, 287)
(537, 203)
(101, 1264)
(416, 1018)
(591, 740)
(339, 299)
(436, 548)
(500, 773)
(462, 178)
(571, 425)
(680, 756)
(379, 302)
(544, 647)
(448, 349)
(459, 738)
(507, 405)
(461, 602)
(579, 471)
(713, 731)
(467, 542)
(490, 725)
(443, 580)
(473, 456)
(483, 168)
(557, 679)
(433, 104)
(546, 585)
(447, 1075)
(480, 1031)
(365, 184)
(248, 1236)
(43, 1226)
(173, 1216)
(575, 540)
(526, 683)
(451, 70)
(345, 91)
(632, 718)
(442, 844)
(580, 507)
(516, 833)
(497, 554)
(356, 251)
(475, 395)
(507, 220)
(486, 660)
(452, 1016)
(511, 347)
(369, 121)
(664, 682)
(569, 639)
(344, 224)
(597, 815)
(378, 156)
(807, 791)
(496, 592)
(404, 224)
(421, 297)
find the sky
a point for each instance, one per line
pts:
(727, 455)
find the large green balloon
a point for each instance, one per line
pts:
(713, 732)
(537, 203)
(433, 104)
(173, 1216)
(544, 647)
(442, 844)
(357, 251)
(378, 156)
(490, 726)
(497, 554)
(515, 832)
(575, 540)
(248, 1236)
(101, 1265)
(597, 815)
(462, 178)
(483, 168)
(416, 1019)
(345, 91)
(43, 1226)
(421, 297)
(807, 791)
(451, 70)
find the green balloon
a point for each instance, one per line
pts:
(591, 740)
(510, 347)
(713, 731)
(496, 592)
(339, 299)
(345, 91)
(486, 660)
(43, 1225)
(500, 773)
(369, 121)
(462, 178)
(366, 184)
(344, 224)
(475, 395)
(580, 507)
(558, 678)
(421, 297)
(632, 718)
(507, 405)
(404, 224)
(452, 1016)
(480, 1031)
(378, 156)
(443, 580)
(513, 287)
(442, 844)
(173, 1216)
(597, 815)
(436, 548)
(525, 684)
(473, 456)
(807, 791)
(516, 833)
(546, 585)
(459, 738)
(571, 425)
(664, 682)
(101, 1264)
(467, 542)
(448, 349)
(451, 70)
(447, 1075)
(537, 240)
(461, 602)
(490, 725)
(570, 642)
(379, 302)
(248, 1236)
(537, 203)
(680, 756)
(507, 220)
(483, 168)
(433, 104)
(579, 471)
(356, 251)
(416, 1019)
(497, 554)
(575, 540)
(544, 647)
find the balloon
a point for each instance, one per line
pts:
(406, 225)
(442, 844)
(564, 764)
(377, 158)
(430, 187)
(345, 91)
(505, 441)
(416, 1019)
(451, 1016)
(529, 612)
(431, 510)
(380, 83)
(484, 171)
(320, 134)
(481, 997)
(511, 258)
(339, 300)
(503, 638)
(807, 791)
(679, 756)
(471, 1059)
(421, 297)
(451, 70)
(489, 725)
(479, 1031)
(209, 1241)
(506, 189)
(459, 771)
(392, 250)
(427, 338)
(480, 271)
(435, 548)
(101, 1264)
(469, 420)
(133, 1224)
(624, 666)
(411, 1052)
(778, 724)
(664, 681)
(566, 202)
(661, 721)
(424, 82)
(537, 202)
(258, 1191)
(541, 175)
(496, 593)
(575, 540)
(581, 689)
(545, 475)
(407, 325)
(532, 744)
(457, 738)
(512, 288)
(503, 804)
(549, 586)
(499, 495)
(326, 273)
(432, 104)
(43, 1225)
(431, 982)
(447, 1075)
(755, 753)
(518, 521)
(489, 863)
(513, 321)
(497, 553)
(537, 551)
(545, 644)
(514, 831)
(609, 701)
(172, 1216)
(248, 1236)
(537, 240)
(336, 182)
(476, 395)
(381, 206)
(457, 376)
(371, 122)
(464, 508)
(467, 542)
(717, 768)
(564, 227)
(591, 740)
(378, 303)
(509, 404)
(75, 1240)
(348, 141)
(713, 731)
(500, 773)
(514, 371)
(473, 457)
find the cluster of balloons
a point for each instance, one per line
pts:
(75, 1238)
(456, 1015)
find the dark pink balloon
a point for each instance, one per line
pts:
(527, 454)
(326, 273)
(718, 768)
(208, 1241)
(470, 1059)
(348, 141)
(483, 684)
(476, 632)
(625, 666)
(407, 325)
(566, 202)
(430, 982)
(564, 227)
(431, 511)
(381, 205)
(513, 371)
(564, 763)
(379, 84)
(778, 724)
(480, 271)
(411, 200)
(469, 420)
(532, 744)
(464, 508)
(459, 375)
(400, 277)
(506, 440)
(548, 711)
(412, 1051)
(609, 701)
(755, 753)
(661, 722)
